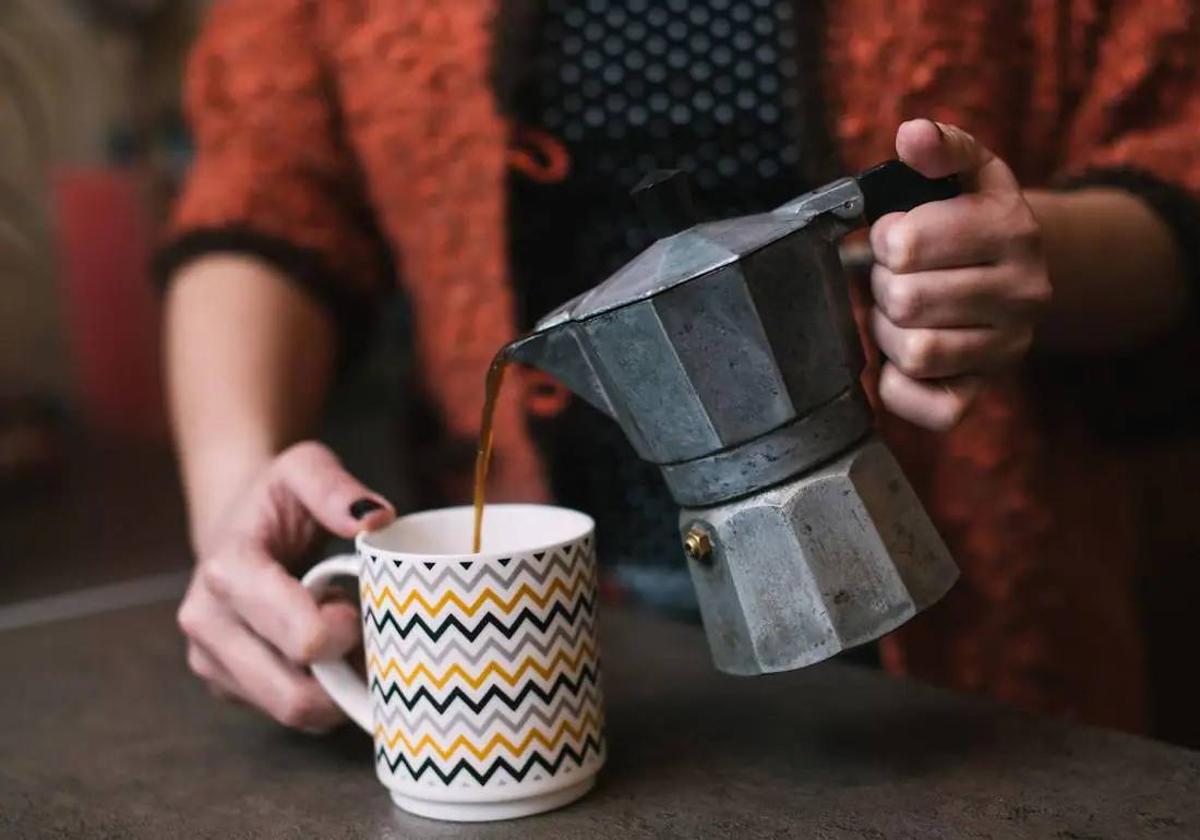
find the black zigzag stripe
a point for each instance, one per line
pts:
(586, 675)
(584, 604)
(590, 745)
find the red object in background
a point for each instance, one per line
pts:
(110, 310)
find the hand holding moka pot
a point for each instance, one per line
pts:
(727, 352)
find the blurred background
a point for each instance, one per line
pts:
(92, 148)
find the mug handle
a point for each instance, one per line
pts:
(339, 680)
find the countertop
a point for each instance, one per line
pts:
(103, 734)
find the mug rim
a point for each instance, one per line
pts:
(587, 526)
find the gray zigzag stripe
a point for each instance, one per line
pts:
(577, 651)
(470, 578)
(546, 716)
(439, 654)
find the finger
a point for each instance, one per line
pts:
(963, 231)
(343, 629)
(937, 405)
(205, 666)
(229, 656)
(220, 682)
(336, 499)
(263, 678)
(261, 593)
(980, 296)
(922, 353)
(939, 149)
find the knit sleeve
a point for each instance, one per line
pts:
(1136, 127)
(272, 176)
(1137, 124)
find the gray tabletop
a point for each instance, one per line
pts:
(104, 734)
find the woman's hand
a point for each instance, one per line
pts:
(251, 627)
(959, 284)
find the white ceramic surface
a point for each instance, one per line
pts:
(483, 692)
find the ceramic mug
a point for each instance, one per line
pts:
(483, 673)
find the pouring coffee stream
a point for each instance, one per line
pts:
(483, 455)
(727, 352)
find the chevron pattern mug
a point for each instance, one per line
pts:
(483, 672)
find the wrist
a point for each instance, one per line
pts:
(1114, 268)
(214, 476)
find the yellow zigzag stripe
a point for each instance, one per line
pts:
(526, 591)
(590, 723)
(383, 669)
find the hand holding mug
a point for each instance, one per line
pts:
(251, 627)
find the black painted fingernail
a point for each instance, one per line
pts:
(364, 506)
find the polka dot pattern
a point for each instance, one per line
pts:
(632, 85)
(658, 79)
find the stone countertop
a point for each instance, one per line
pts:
(103, 734)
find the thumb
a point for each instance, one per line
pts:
(336, 499)
(938, 149)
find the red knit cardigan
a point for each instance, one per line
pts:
(325, 126)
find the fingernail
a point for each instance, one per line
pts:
(364, 506)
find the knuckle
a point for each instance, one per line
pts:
(918, 353)
(300, 708)
(218, 575)
(1024, 232)
(902, 246)
(902, 302)
(1027, 291)
(891, 396)
(945, 418)
(889, 386)
(189, 617)
(955, 403)
(198, 664)
(307, 643)
(1038, 293)
(878, 238)
(951, 414)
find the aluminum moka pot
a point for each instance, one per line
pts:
(728, 354)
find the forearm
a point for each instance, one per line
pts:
(249, 360)
(1117, 275)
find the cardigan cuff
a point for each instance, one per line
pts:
(353, 316)
(1158, 402)
(1178, 208)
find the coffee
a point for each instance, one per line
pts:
(483, 456)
